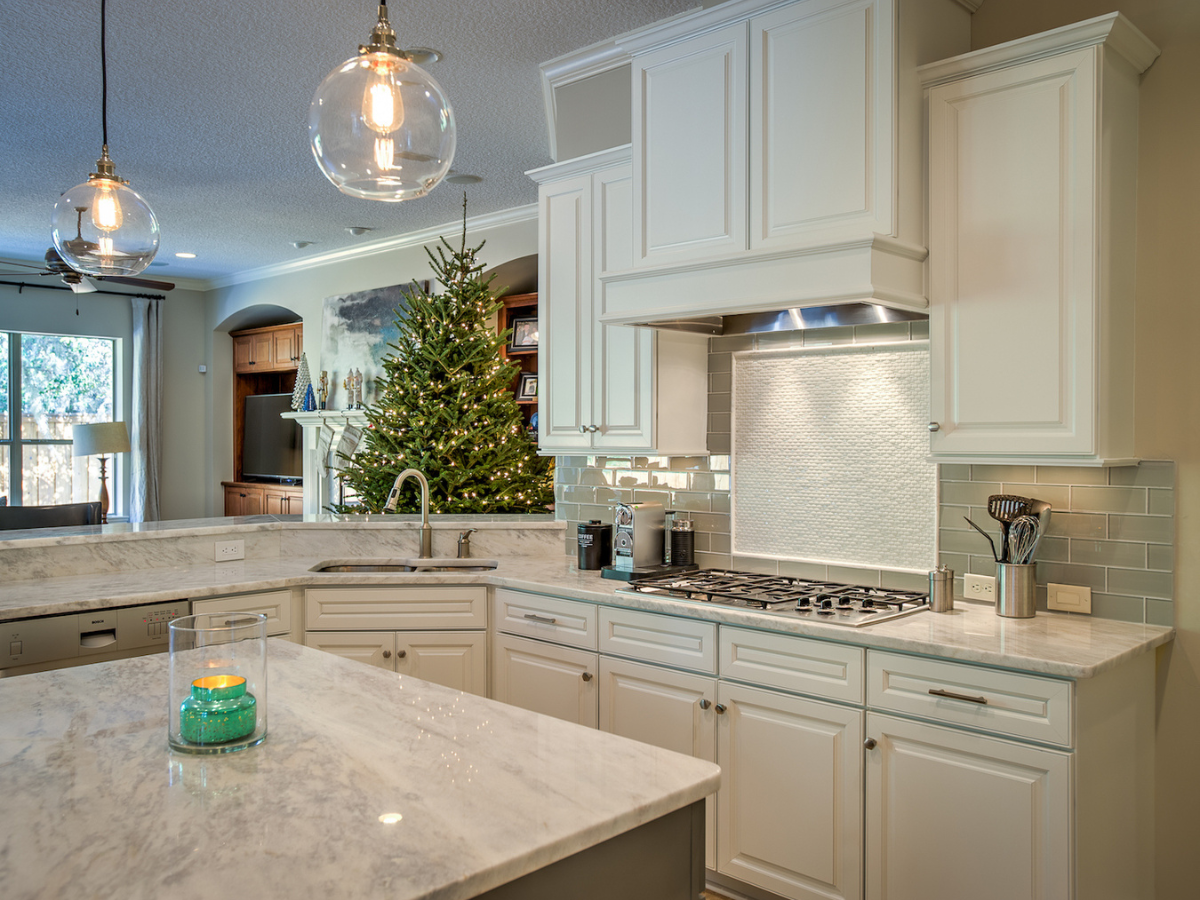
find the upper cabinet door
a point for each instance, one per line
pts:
(565, 313)
(1013, 264)
(821, 148)
(689, 135)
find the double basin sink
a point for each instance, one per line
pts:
(448, 564)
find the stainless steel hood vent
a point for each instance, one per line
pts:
(795, 319)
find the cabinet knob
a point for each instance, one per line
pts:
(934, 426)
(593, 428)
(400, 654)
(387, 654)
(583, 429)
(705, 703)
(720, 708)
(869, 743)
(587, 676)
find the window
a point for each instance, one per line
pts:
(56, 382)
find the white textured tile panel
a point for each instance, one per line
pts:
(829, 456)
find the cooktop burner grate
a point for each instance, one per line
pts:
(841, 604)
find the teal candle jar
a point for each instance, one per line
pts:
(218, 711)
(217, 696)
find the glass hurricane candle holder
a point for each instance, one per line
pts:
(218, 690)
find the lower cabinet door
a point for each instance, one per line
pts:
(375, 648)
(456, 659)
(789, 810)
(669, 709)
(546, 678)
(955, 814)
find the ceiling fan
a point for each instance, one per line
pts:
(84, 284)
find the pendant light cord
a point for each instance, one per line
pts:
(103, 74)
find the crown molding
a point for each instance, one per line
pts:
(582, 165)
(504, 217)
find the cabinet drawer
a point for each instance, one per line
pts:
(791, 663)
(570, 622)
(683, 643)
(1008, 703)
(275, 605)
(423, 606)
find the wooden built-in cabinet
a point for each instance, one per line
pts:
(274, 348)
(253, 499)
(515, 308)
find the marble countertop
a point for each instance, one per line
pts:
(95, 804)
(1050, 643)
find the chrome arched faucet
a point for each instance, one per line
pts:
(394, 499)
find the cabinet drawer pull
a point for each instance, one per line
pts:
(705, 703)
(935, 426)
(587, 676)
(720, 708)
(387, 654)
(547, 620)
(400, 654)
(869, 744)
(938, 692)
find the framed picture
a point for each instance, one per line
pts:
(527, 390)
(524, 334)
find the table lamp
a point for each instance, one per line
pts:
(100, 439)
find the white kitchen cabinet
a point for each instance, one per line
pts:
(546, 678)
(280, 607)
(433, 632)
(605, 388)
(1032, 182)
(777, 157)
(456, 659)
(669, 709)
(789, 810)
(954, 814)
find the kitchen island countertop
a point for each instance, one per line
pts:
(97, 805)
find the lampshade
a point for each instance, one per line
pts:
(380, 126)
(100, 438)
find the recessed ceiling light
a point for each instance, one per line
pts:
(186, 255)
(300, 245)
(358, 230)
(463, 179)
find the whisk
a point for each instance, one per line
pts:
(1023, 538)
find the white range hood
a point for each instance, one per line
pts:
(777, 158)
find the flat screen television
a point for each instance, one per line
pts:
(271, 446)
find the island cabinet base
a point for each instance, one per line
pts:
(661, 860)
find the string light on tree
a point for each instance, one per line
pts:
(445, 405)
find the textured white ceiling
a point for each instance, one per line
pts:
(208, 106)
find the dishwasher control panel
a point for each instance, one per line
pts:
(74, 635)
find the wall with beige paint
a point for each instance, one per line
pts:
(1168, 365)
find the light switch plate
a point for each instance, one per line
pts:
(1069, 598)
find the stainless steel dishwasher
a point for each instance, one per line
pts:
(73, 639)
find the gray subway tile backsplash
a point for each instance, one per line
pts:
(1111, 528)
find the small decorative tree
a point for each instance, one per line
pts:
(445, 406)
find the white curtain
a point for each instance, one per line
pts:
(146, 434)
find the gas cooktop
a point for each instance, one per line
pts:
(801, 598)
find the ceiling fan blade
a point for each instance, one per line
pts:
(21, 265)
(146, 283)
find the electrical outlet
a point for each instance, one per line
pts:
(1069, 598)
(979, 587)
(230, 550)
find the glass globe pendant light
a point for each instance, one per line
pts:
(380, 126)
(104, 227)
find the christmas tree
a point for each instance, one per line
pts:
(445, 406)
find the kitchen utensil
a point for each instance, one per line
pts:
(1022, 539)
(1015, 597)
(1041, 509)
(941, 589)
(1005, 508)
(986, 535)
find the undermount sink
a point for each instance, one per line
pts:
(406, 565)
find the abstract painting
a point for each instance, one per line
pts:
(357, 329)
